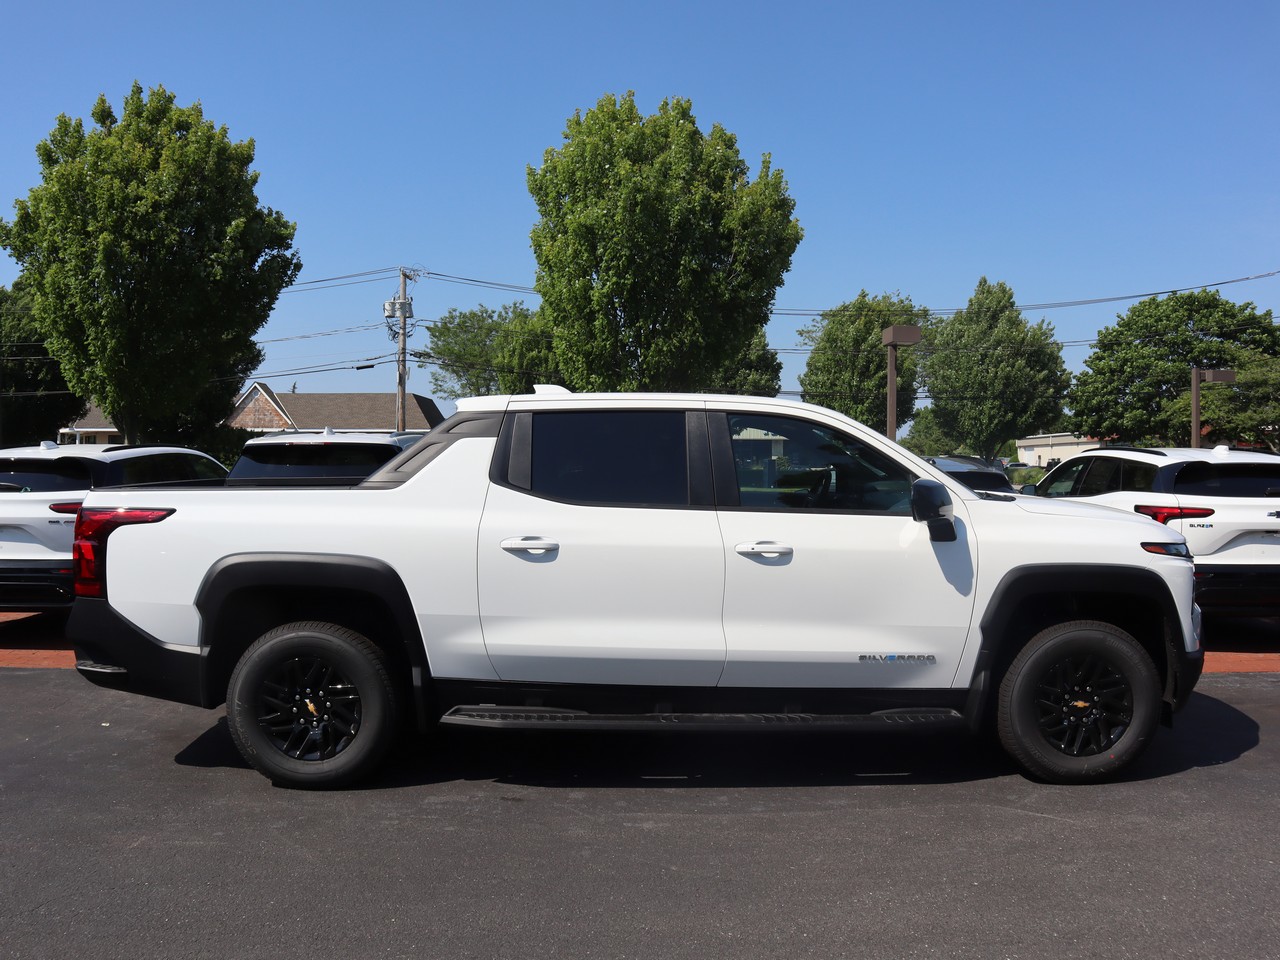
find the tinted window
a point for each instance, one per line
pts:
(163, 468)
(983, 480)
(1228, 480)
(1103, 476)
(311, 461)
(43, 475)
(1060, 482)
(1138, 476)
(784, 463)
(629, 457)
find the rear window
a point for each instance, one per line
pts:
(312, 461)
(165, 468)
(41, 476)
(983, 480)
(1228, 480)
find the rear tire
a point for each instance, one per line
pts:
(312, 705)
(1079, 703)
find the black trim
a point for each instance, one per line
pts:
(1238, 589)
(617, 699)
(36, 584)
(1090, 580)
(698, 453)
(323, 573)
(724, 470)
(102, 638)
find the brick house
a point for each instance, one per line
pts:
(262, 410)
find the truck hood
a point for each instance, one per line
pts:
(1074, 509)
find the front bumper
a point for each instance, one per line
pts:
(1239, 589)
(112, 652)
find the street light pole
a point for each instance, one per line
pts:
(1199, 376)
(899, 335)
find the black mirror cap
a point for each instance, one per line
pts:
(931, 504)
(1029, 489)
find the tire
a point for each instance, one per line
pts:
(312, 705)
(1079, 703)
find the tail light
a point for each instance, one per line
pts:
(1165, 514)
(89, 551)
(71, 507)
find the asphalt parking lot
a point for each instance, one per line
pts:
(132, 829)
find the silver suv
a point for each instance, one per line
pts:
(40, 493)
(1225, 502)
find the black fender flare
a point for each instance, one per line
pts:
(313, 571)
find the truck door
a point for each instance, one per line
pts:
(599, 556)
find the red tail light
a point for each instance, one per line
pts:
(71, 507)
(1165, 514)
(89, 551)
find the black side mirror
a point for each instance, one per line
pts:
(1029, 489)
(931, 504)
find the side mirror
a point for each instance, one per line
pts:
(931, 504)
(1029, 489)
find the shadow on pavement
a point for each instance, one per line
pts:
(39, 631)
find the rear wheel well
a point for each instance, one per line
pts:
(248, 613)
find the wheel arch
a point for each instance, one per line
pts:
(1029, 599)
(245, 595)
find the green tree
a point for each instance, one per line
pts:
(991, 375)
(1246, 411)
(150, 262)
(1143, 363)
(848, 365)
(658, 256)
(35, 401)
(926, 439)
(526, 353)
(755, 372)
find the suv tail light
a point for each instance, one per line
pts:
(89, 551)
(71, 507)
(1165, 514)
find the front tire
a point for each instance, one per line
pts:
(312, 705)
(1079, 703)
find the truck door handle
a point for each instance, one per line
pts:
(529, 544)
(764, 548)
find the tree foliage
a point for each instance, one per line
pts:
(34, 399)
(658, 256)
(991, 375)
(150, 262)
(848, 365)
(755, 372)
(926, 439)
(1140, 366)
(482, 351)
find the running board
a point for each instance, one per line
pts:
(542, 718)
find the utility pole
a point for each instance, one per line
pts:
(1198, 377)
(899, 335)
(403, 309)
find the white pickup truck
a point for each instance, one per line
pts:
(639, 561)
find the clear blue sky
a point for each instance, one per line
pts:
(1072, 150)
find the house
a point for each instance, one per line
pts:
(1037, 451)
(262, 410)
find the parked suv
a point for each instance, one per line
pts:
(315, 459)
(1225, 502)
(40, 492)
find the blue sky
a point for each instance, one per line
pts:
(1072, 150)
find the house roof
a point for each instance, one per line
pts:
(341, 411)
(94, 419)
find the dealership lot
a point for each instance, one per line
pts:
(132, 828)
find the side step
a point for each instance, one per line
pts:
(543, 718)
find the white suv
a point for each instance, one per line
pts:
(40, 493)
(315, 459)
(1225, 502)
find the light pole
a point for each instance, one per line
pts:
(1198, 377)
(899, 335)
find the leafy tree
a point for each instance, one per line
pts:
(1143, 363)
(992, 376)
(848, 366)
(755, 372)
(1245, 411)
(925, 438)
(658, 257)
(34, 400)
(150, 263)
(526, 353)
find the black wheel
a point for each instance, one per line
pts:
(312, 705)
(1079, 703)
